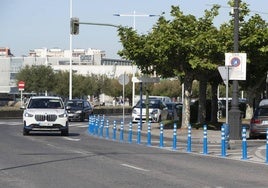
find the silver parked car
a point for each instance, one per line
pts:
(259, 122)
(44, 113)
(157, 111)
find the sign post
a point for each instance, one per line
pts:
(123, 80)
(21, 85)
(238, 62)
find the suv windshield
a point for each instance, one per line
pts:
(152, 104)
(45, 103)
(75, 104)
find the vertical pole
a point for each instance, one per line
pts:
(97, 126)
(267, 146)
(130, 133)
(189, 140)
(141, 104)
(122, 132)
(223, 145)
(244, 144)
(139, 134)
(107, 129)
(114, 130)
(161, 142)
(124, 97)
(149, 134)
(205, 141)
(101, 128)
(71, 55)
(234, 113)
(174, 146)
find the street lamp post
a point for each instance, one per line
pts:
(234, 113)
(134, 15)
(71, 55)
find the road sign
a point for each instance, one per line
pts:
(21, 85)
(223, 70)
(123, 79)
(238, 62)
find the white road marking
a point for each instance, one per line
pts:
(135, 167)
(72, 139)
(258, 152)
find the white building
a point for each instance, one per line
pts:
(84, 62)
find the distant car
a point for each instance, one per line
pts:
(157, 111)
(259, 122)
(78, 109)
(173, 110)
(44, 113)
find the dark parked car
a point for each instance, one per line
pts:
(259, 122)
(174, 110)
(78, 109)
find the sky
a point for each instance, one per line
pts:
(33, 24)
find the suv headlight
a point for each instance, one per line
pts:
(63, 115)
(134, 111)
(27, 114)
(155, 111)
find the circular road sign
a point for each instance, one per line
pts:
(21, 85)
(123, 79)
(235, 61)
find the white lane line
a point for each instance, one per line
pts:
(135, 167)
(72, 139)
(258, 152)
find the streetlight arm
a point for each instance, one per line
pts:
(100, 24)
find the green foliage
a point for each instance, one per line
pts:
(37, 78)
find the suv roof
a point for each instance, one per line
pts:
(263, 102)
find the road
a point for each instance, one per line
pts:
(81, 160)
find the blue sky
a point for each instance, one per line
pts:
(31, 24)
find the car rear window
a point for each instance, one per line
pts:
(262, 112)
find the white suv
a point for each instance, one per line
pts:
(44, 113)
(157, 111)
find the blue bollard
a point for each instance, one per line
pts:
(130, 133)
(205, 141)
(139, 134)
(223, 144)
(122, 131)
(114, 130)
(227, 135)
(161, 142)
(244, 144)
(189, 140)
(149, 134)
(92, 128)
(96, 127)
(107, 129)
(267, 146)
(101, 128)
(174, 146)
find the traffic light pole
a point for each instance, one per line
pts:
(234, 113)
(99, 24)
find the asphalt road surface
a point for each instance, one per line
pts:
(80, 160)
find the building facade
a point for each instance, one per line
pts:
(84, 62)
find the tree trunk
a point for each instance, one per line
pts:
(214, 103)
(187, 99)
(202, 101)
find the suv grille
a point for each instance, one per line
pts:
(48, 117)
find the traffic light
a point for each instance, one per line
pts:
(74, 26)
